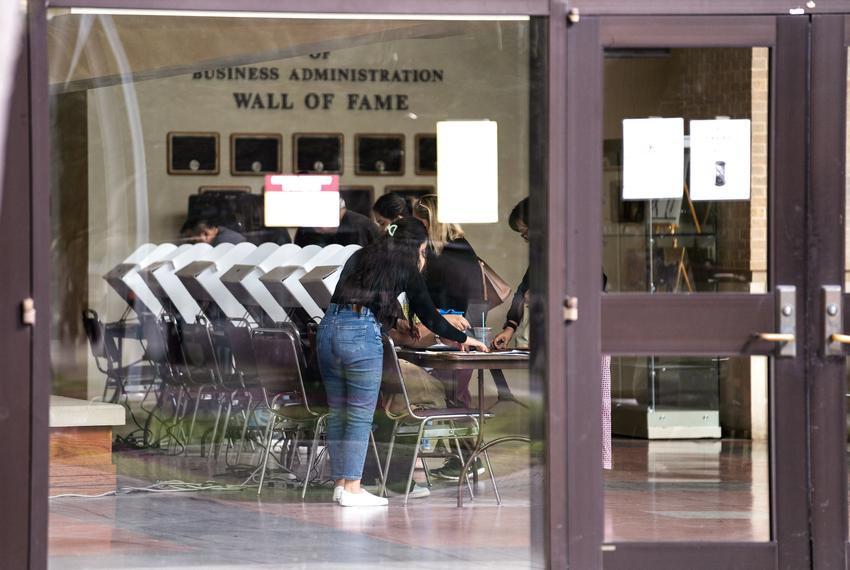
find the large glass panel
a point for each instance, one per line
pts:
(185, 359)
(689, 450)
(685, 212)
(686, 242)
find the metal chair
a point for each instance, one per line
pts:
(280, 369)
(162, 349)
(108, 358)
(201, 372)
(438, 423)
(239, 376)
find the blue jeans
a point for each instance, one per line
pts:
(350, 356)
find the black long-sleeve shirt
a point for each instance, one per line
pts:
(454, 277)
(348, 292)
(518, 302)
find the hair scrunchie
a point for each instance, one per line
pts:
(391, 229)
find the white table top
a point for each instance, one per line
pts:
(71, 412)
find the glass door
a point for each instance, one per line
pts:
(685, 246)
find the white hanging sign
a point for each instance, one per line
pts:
(653, 158)
(293, 200)
(467, 172)
(720, 159)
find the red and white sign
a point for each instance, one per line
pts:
(302, 200)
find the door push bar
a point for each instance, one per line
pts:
(786, 316)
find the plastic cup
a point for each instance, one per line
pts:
(483, 334)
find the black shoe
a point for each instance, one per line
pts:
(452, 467)
(416, 491)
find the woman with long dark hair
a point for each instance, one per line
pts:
(350, 353)
(388, 208)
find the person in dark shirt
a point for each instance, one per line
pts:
(280, 236)
(518, 221)
(353, 229)
(350, 351)
(454, 280)
(210, 232)
(452, 273)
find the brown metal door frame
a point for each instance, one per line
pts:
(20, 495)
(719, 318)
(826, 251)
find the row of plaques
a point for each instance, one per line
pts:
(312, 153)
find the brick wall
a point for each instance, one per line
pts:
(730, 82)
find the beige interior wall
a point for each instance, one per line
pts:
(132, 199)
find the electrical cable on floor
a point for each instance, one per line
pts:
(172, 486)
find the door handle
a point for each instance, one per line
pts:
(780, 337)
(840, 338)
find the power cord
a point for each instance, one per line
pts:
(172, 486)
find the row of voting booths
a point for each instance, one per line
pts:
(195, 310)
(264, 284)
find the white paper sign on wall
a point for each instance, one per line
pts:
(468, 172)
(653, 158)
(301, 200)
(720, 159)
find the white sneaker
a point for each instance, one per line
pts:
(337, 492)
(362, 499)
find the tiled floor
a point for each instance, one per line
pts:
(706, 490)
(232, 529)
(670, 490)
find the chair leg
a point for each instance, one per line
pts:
(156, 416)
(225, 425)
(178, 404)
(246, 416)
(377, 457)
(463, 462)
(215, 429)
(492, 477)
(386, 469)
(312, 458)
(427, 473)
(198, 399)
(413, 463)
(293, 448)
(267, 451)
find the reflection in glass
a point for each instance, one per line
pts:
(690, 433)
(690, 457)
(681, 245)
(200, 343)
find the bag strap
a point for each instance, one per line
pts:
(483, 279)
